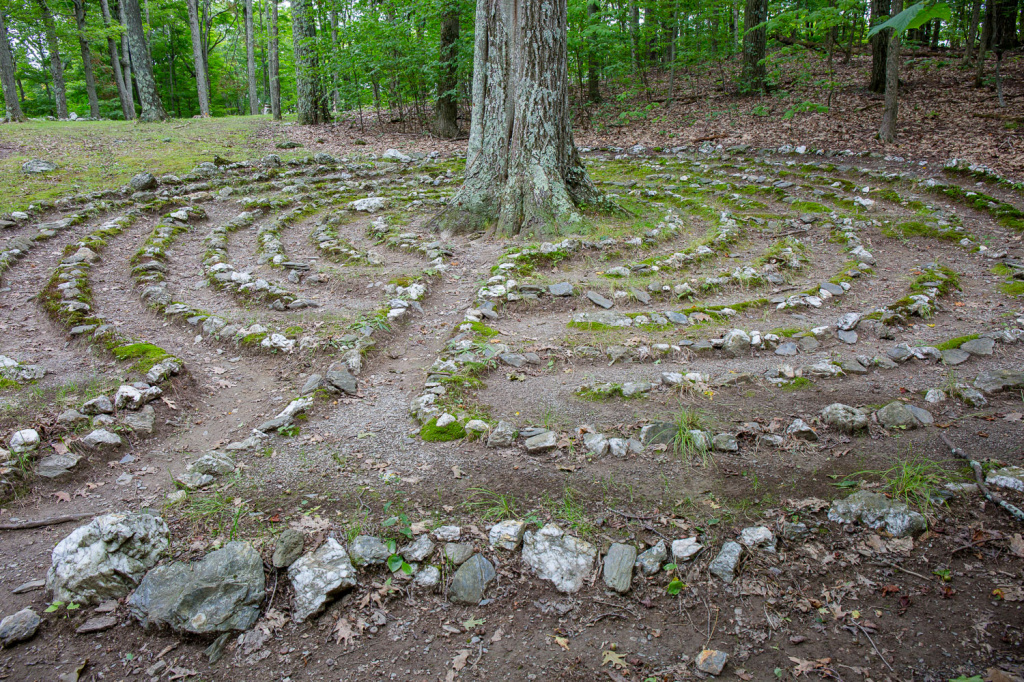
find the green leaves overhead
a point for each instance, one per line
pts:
(913, 17)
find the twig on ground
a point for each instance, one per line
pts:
(50, 521)
(979, 477)
(873, 645)
(902, 570)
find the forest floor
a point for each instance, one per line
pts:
(734, 240)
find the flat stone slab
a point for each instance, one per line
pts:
(982, 346)
(955, 356)
(97, 624)
(471, 580)
(618, 567)
(599, 300)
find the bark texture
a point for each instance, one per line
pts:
(56, 63)
(126, 58)
(123, 95)
(83, 43)
(879, 46)
(149, 96)
(523, 173)
(594, 61)
(250, 60)
(755, 42)
(448, 77)
(198, 59)
(7, 81)
(972, 31)
(887, 131)
(311, 105)
(274, 65)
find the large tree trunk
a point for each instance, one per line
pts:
(879, 46)
(7, 80)
(83, 43)
(593, 65)
(972, 31)
(115, 63)
(754, 45)
(250, 60)
(149, 96)
(275, 65)
(887, 131)
(311, 103)
(126, 58)
(523, 173)
(197, 58)
(56, 64)
(448, 76)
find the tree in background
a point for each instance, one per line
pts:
(523, 173)
(250, 60)
(198, 60)
(311, 102)
(83, 43)
(56, 63)
(448, 73)
(149, 96)
(10, 87)
(275, 64)
(124, 94)
(755, 42)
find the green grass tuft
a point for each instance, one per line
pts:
(431, 433)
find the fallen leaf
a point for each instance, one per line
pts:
(224, 383)
(457, 472)
(62, 496)
(343, 632)
(473, 623)
(1014, 417)
(168, 402)
(496, 637)
(1017, 544)
(60, 448)
(617, 660)
(74, 674)
(218, 370)
(562, 642)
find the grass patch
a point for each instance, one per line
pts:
(146, 355)
(684, 442)
(798, 384)
(914, 481)
(919, 229)
(957, 342)
(432, 433)
(491, 505)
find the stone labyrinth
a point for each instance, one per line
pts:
(743, 305)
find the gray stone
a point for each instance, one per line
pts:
(503, 435)
(649, 562)
(213, 463)
(955, 356)
(287, 548)
(141, 422)
(677, 318)
(849, 337)
(319, 577)
(312, 383)
(56, 465)
(19, 627)
(428, 577)
(724, 565)
(367, 550)
(605, 318)
(900, 353)
(848, 321)
(786, 348)
(639, 295)
(725, 442)
(542, 442)
(101, 439)
(143, 182)
(96, 624)
(972, 397)
(877, 511)
(1011, 478)
(342, 380)
(658, 433)
(794, 531)
(507, 534)
(923, 416)
(37, 166)
(758, 537)
(100, 405)
(844, 417)
(882, 362)
(833, 289)
(599, 300)
(513, 359)
(561, 289)
(618, 567)
(982, 346)
(736, 343)
(801, 430)
(711, 662)
(447, 533)
(897, 415)
(457, 553)
(808, 343)
(994, 381)
(220, 593)
(685, 549)
(23, 441)
(852, 366)
(71, 418)
(562, 559)
(418, 551)
(106, 558)
(471, 580)
(935, 396)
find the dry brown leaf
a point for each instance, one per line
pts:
(562, 642)
(343, 632)
(457, 472)
(1017, 544)
(62, 496)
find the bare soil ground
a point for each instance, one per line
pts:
(844, 602)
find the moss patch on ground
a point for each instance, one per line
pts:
(431, 432)
(145, 354)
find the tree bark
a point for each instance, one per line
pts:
(879, 46)
(7, 80)
(593, 65)
(984, 44)
(972, 31)
(83, 42)
(250, 60)
(197, 58)
(755, 42)
(115, 64)
(447, 124)
(523, 173)
(56, 63)
(149, 96)
(311, 102)
(887, 131)
(126, 58)
(275, 65)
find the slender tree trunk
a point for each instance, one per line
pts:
(197, 58)
(90, 78)
(594, 62)
(523, 173)
(335, 94)
(311, 103)
(250, 60)
(126, 58)
(755, 41)
(447, 124)
(56, 63)
(115, 63)
(984, 44)
(972, 31)
(879, 46)
(275, 65)
(7, 80)
(887, 131)
(149, 96)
